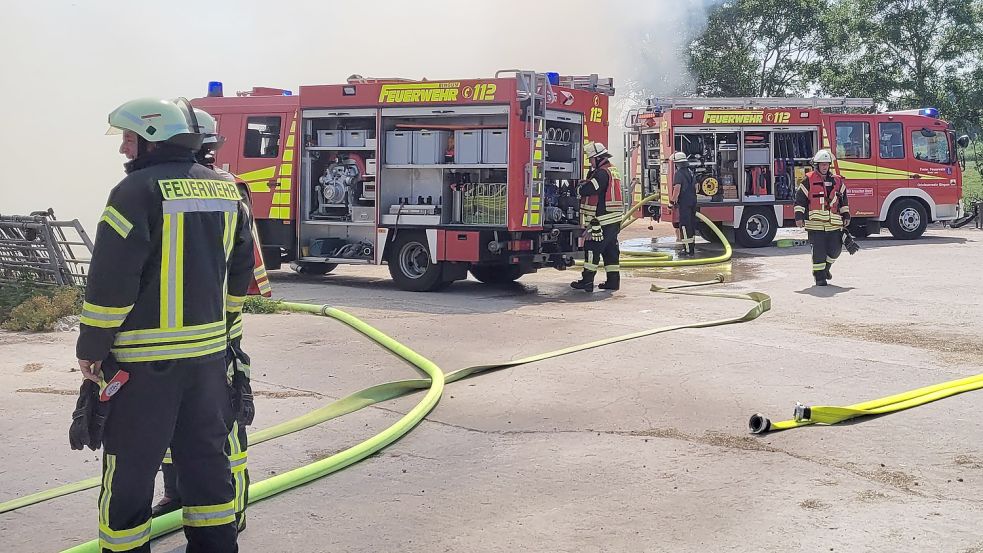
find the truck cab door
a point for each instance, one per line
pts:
(261, 145)
(932, 164)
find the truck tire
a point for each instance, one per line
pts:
(312, 268)
(708, 234)
(496, 274)
(411, 267)
(907, 219)
(272, 257)
(757, 229)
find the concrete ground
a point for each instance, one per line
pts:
(640, 446)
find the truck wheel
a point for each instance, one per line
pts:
(706, 233)
(272, 257)
(907, 219)
(858, 228)
(496, 274)
(410, 264)
(757, 229)
(312, 268)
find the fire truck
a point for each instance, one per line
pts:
(434, 178)
(902, 168)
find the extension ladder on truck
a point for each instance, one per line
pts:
(36, 247)
(536, 89)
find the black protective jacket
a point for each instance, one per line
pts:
(173, 257)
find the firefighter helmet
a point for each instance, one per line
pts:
(595, 149)
(208, 126)
(154, 120)
(678, 157)
(823, 156)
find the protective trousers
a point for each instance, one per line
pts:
(240, 473)
(185, 403)
(826, 247)
(609, 250)
(687, 224)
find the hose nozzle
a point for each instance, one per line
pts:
(759, 424)
(802, 412)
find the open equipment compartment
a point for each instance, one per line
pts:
(338, 184)
(445, 166)
(563, 155)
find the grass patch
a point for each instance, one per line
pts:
(40, 312)
(261, 305)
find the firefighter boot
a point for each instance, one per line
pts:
(820, 278)
(826, 274)
(612, 283)
(583, 284)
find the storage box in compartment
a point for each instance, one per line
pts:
(370, 167)
(327, 139)
(363, 214)
(756, 156)
(494, 146)
(467, 146)
(429, 147)
(353, 139)
(399, 147)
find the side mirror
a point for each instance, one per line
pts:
(963, 141)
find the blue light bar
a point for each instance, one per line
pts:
(215, 89)
(929, 112)
(287, 93)
(554, 78)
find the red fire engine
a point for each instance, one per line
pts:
(901, 168)
(434, 178)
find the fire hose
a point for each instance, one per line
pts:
(379, 393)
(662, 259)
(823, 414)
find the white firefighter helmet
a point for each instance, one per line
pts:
(678, 157)
(595, 149)
(208, 125)
(153, 119)
(823, 156)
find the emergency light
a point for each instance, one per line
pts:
(554, 78)
(929, 112)
(287, 93)
(215, 89)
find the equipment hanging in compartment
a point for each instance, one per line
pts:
(561, 203)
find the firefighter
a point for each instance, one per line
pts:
(821, 207)
(683, 199)
(237, 359)
(601, 209)
(173, 257)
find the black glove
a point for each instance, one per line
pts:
(851, 245)
(242, 392)
(596, 232)
(89, 418)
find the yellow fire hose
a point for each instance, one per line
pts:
(823, 414)
(661, 259)
(376, 394)
(391, 390)
(282, 482)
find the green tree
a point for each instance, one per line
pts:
(757, 48)
(903, 53)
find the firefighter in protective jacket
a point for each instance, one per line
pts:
(239, 365)
(821, 207)
(601, 209)
(173, 258)
(683, 199)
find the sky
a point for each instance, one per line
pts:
(65, 64)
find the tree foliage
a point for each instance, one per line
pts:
(902, 53)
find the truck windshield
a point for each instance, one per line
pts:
(931, 146)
